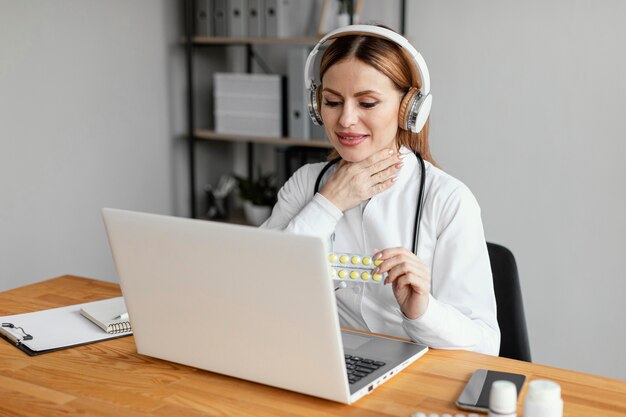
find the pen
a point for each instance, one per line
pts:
(123, 316)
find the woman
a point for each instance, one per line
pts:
(442, 297)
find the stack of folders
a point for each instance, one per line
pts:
(253, 18)
(64, 327)
(248, 104)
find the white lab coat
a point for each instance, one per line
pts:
(462, 310)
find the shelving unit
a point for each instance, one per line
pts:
(278, 141)
(221, 41)
(195, 135)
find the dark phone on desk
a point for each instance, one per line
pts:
(475, 395)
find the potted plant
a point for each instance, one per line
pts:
(258, 195)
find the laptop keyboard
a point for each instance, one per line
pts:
(359, 367)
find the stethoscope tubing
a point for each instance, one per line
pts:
(420, 197)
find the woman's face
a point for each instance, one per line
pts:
(359, 108)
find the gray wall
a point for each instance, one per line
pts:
(86, 121)
(529, 112)
(528, 103)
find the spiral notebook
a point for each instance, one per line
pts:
(110, 315)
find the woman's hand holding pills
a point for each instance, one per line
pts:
(355, 182)
(409, 278)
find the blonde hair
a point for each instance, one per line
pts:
(391, 60)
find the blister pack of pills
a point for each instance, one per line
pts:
(354, 267)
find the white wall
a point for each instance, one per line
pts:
(529, 112)
(85, 122)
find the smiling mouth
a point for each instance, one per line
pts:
(351, 139)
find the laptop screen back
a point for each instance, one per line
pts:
(250, 303)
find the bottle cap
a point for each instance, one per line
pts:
(503, 397)
(544, 390)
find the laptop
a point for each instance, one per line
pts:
(250, 303)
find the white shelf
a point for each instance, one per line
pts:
(276, 141)
(213, 40)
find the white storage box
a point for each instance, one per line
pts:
(239, 103)
(248, 104)
(250, 124)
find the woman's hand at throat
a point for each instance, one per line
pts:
(355, 182)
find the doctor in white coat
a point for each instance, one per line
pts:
(440, 293)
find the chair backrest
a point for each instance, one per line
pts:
(514, 334)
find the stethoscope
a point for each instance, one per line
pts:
(420, 198)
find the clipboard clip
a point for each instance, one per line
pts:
(25, 337)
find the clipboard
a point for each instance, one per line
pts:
(50, 330)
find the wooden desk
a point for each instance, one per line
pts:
(110, 379)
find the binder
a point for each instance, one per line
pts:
(203, 14)
(298, 112)
(51, 330)
(220, 25)
(237, 18)
(256, 18)
(300, 124)
(285, 18)
(271, 17)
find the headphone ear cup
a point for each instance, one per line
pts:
(313, 107)
(405, 106)
(414, 110)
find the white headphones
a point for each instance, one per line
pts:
(416, 103)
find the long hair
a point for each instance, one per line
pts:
(388, 58)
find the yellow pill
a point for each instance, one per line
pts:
(332, 257)
(342, 274)
(365, 276)
(354, 275)
(378, 262)
(355, 260)
(343, 259)
(377, 277)
(367, 260)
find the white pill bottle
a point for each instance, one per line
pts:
(543, 399)
(503, 399)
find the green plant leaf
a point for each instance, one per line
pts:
(260, 191)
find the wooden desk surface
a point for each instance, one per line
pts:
(111, 379)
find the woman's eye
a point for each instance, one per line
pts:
(368, 104)
(331, 103)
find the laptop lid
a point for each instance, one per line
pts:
(251, 303)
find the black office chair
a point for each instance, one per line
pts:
(511, 319)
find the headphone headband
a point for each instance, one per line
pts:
(370, 30)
